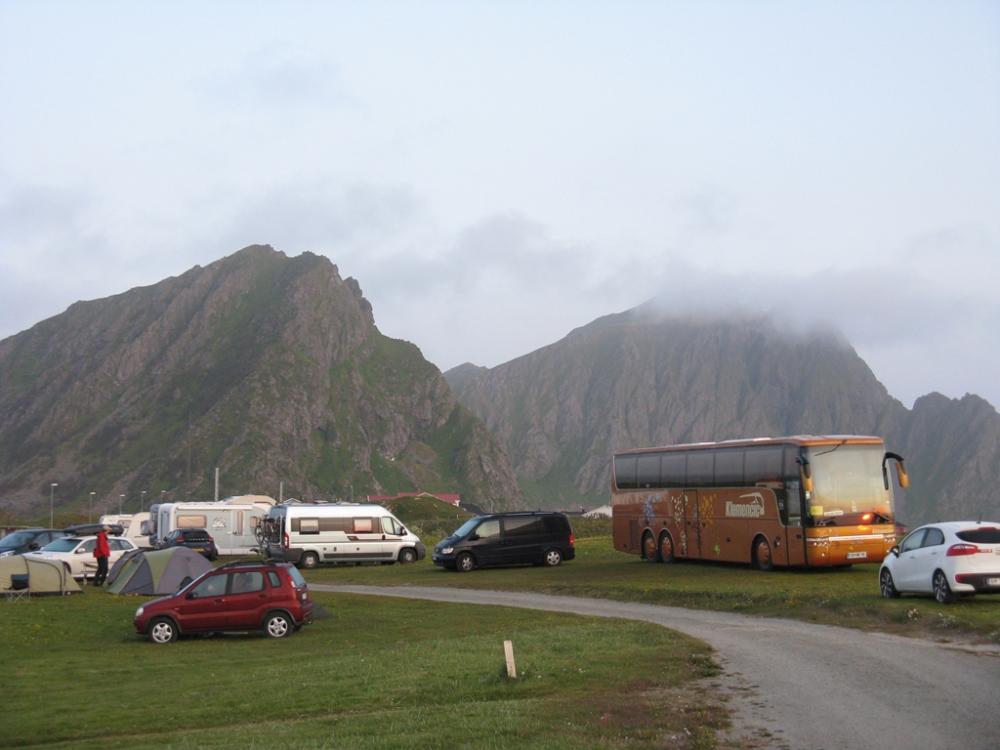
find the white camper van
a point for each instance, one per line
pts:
(134, 526)
(308, 534)
(232, 523)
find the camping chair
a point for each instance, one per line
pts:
(18, 588)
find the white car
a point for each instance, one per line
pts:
(77, 553)
(944, 559)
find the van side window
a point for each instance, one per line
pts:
(363, 525)
(489, 529)
(391, 526)
(556, 524)
(308, 525)
(527, 526)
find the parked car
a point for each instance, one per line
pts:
(28, 540)
(77, 553)
(239, 596)
(537, 538)
(944, 559)
(198, 540)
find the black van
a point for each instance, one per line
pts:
(537, 538)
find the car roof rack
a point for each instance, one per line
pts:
(244, 564)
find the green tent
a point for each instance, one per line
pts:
(160, 571)
(44, 576)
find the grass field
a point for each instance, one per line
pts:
(848, 597)
(375, 673)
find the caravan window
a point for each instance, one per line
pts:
(192, 522)
(238, 523)
(363, 525)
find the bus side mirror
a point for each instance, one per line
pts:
(901, 475)
(805, 475)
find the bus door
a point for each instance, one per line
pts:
(790, 505)
(691, 537)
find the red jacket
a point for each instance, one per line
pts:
(101, 549)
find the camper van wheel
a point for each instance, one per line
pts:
(762, 554)
(278, 625)
(162, 630)
(407, 555)
(552, 558)
(666, 548)
(649, 549)
(309, 560)
(465, 562)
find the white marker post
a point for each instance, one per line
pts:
(508, 652)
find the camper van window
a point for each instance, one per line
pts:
(192, 522)
(238, 523)
(391, 526)
(308, 525)
(247, 582)
(363, 525)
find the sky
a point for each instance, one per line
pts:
(497, 174)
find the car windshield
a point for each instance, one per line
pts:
(66, 544)
(466, 527)
(847, 480)
(16, 539)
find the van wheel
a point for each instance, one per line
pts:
(278, 625)
(552, 558)
(762, 554)
(666, 548)
(407, 555)
(465, 562)
(162, 630)
(309, 560)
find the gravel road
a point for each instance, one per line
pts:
(804, 686)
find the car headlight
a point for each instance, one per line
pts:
(447, 550)
(138, 613)
(6, 553)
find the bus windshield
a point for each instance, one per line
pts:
(847, 481)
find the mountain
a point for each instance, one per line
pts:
(642, 378)
(268, 367)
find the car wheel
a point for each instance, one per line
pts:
(309, 560)
(885, 583)
(666, 548)
(278, 625)
(162, 630)
(407, 555)
(762, 554)
(649, 550)
(465, 562)
(552, 558)
(942, 591)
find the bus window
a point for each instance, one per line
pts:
(764, 465)
(700, 468)
(625, 472)
(729, 467)
(672, 468)
(648, 470)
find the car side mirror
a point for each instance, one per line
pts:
(894, 551)
(79, 551)
(473, 537)
(191, 595)
(33, 546)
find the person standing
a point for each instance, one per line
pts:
(102, 551)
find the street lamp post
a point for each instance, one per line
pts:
(90, 513)
(52, 506)
(121, 503)
(142, 500)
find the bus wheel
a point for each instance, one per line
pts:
(650, 551)
(666, 548)
(762, 554)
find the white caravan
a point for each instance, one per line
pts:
(308, 534)
(233, 523)
(135, 526)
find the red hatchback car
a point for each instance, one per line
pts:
(239, 596)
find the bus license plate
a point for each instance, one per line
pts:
(857, 555)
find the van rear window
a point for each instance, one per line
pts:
(983, 535)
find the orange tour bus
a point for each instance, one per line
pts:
(793, 501)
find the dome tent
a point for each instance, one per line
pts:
(44, 576)
(159, 571)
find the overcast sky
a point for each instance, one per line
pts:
(497, 174)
